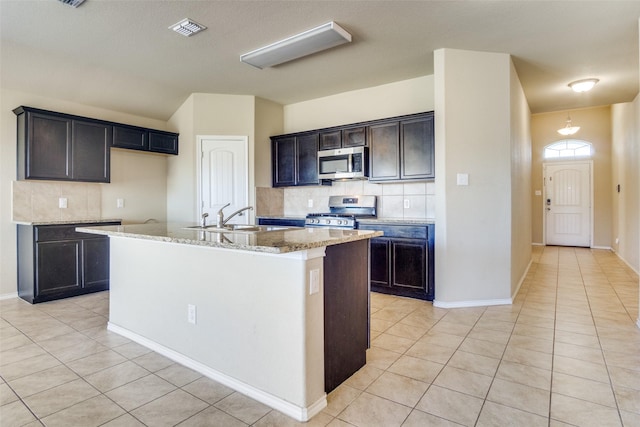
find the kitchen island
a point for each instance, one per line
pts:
(247, 309)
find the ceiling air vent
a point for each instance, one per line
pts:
(187, 27)
(74, 3)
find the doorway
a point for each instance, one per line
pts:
(568, 203)
(224, 176)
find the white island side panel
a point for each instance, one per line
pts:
(256, 321)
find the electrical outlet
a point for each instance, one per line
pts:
(617, 240)
(310, 203)
(191, 314)
(62, 203)
(314, 281)
(407, 203)
(120, 203)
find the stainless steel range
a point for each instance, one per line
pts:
(343, 212)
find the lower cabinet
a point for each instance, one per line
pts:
(55, 261)
(402, 261)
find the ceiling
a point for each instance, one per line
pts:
(120, 54)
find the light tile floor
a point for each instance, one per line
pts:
(567, 352)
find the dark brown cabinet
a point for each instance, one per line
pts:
(354, 136)
(402, 261)
(384, 152)
(402, 149)
(55, 261)
(346, 311)
(295, 160)
(142, 139)
(59, 147)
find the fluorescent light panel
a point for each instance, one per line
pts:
(311, 41)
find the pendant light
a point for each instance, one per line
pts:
(569, 129)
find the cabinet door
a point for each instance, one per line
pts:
(354, 137)
(307, 159)
(95, 263)
(417, 148)
(283, 158)
(130, 137)
(90, 151)
(330, 140)
(57, 268)
(161, 142)
(48, 147)
(380, 262)
(409, 264)
(384, 152)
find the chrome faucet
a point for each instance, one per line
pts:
(222, 221)
(204, 219)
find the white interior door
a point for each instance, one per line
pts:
(567, 203)
(224, 177)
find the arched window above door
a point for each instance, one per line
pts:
(568, 149)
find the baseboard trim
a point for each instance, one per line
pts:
(8, 296)
(522, 278)
(626, 263)
(472, 303)
(301, 414)
(537, 244)
(606, 248)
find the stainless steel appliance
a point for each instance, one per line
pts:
(343, 212)
(343, 163)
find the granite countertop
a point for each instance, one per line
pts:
(291, 239)
(70, 221)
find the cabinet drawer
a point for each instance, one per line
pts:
(49, 233)
(401, 231)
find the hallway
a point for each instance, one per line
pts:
(567, 352)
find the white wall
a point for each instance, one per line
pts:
(625, 172)
(139, 178)
(520, 183)
(474, 136)
(205, 114)
(394, 99)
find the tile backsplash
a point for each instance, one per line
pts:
(36, 201)
(419, 198)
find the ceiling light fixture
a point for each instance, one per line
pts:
(311, 41)
(187, 27)
(583, 85)
(73, 3)
(569, 129)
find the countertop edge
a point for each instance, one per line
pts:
(285, 248)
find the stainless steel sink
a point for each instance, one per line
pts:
(239, 228)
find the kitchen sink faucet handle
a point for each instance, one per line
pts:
(220, 216)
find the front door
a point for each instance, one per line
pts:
(567, 203)
(224, 177)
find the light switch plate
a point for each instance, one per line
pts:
(191, 314)
(462, 179)
(120, 203)
(310, 203)
(62, 203)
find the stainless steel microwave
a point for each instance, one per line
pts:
(343, 163)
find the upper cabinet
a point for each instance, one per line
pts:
(136, 138)
(402, 149)
(295, 160)
(352, 136)
(57, 146)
